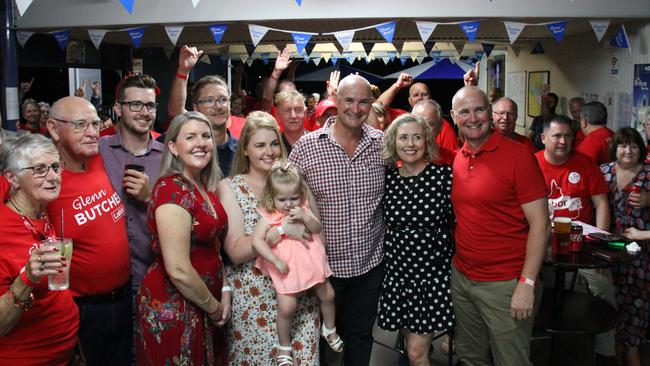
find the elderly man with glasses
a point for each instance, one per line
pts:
(504, 117)
(90, 211)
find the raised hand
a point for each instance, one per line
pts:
(333, 84)
(81, 90)
(187, 58)
(97, 89)
(283, 60)
(471, 77)
(404, 80)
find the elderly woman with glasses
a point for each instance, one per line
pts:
(37, 326)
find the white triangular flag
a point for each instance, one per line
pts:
(386, 59)
(257, 33)
(22, 6)
(414, 56)
(250, 61)
(599, 27)
(173, 32)
(425, 29)
(243, 57)
(513, 29)
(345, 39)
(317, 60)
(205, 59)
(195, 3)
(96, 36)
(23, 37)
(419, 59)
(326, 57)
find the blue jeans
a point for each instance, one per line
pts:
(106, 332)
(356, 311)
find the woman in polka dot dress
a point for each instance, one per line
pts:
(416, 295)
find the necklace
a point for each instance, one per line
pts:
(409, 186)
(48, 231)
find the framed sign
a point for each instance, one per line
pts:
(536, 80)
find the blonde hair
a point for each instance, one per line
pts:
(288, 95)
(282, 172)
(254, 121)
(389, 152)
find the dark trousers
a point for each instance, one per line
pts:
(106, 332)
(356, 311)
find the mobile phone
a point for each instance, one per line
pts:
(604, 256)
(605, 237)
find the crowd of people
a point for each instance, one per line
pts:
(201, 246)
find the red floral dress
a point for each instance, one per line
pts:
(170, 329)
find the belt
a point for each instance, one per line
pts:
(114, 296)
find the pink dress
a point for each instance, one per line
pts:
(307, 263)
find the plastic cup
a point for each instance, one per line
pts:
(562, 225)
(61, 281)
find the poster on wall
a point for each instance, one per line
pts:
(641, 95)
(536, 80)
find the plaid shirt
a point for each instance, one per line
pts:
(348, 192)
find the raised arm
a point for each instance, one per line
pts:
(187, 58)
(333, 85)
(471, 77)
(403, 81)
(281, 63)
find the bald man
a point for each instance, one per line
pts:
(93, 215)
(348, 151)
(429, 110)
(504, 116)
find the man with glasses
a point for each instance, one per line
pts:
(132, 160)
(504, 116)
(91, 212)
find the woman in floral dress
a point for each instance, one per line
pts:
(252, 335)
(180, 306)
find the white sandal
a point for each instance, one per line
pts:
(284, 360)
(337, 343)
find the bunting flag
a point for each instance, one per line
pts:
(257, 33)
(479, 55)
(487, 47)
(414, 56)
(299, 2)
(392, 56)
(335, 59)
(516, 50)
(243, 57)
(250, 49)
(128, 5)
(265, 58)
(403, 60)
(538, 49)
(217, 31)
(514, 30)
(326, 57)
(173, 32)
(367, 46)
(350, 58)
(387, 30)
(620, 40)
(306, 58)
(470, 29)
(426, 29)
(195, 3)
(557, 29)
(345, 39)
(301, 40)
(96, 36)
(22, 6)
(599, 27)
(136, 36)
(368, 60)
(428, 46)
(419, 59)
(205, 59)
(310, 47)
(62, 38)
(386, 60)
(168, 50)
(459, 48)
(22, 37)
(250, 61)
(437, 56)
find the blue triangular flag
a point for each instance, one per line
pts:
(403, 59)
(306, 58)
(250, 49)
(387, 30)
(136, 36)
(620, 39)
(301, 40)
(436, 56)
(367, 46)
(62, 38)
(479, 55)
(350, 59)
(128, 5)
(557, 29)
(392, 55)
(299, 2)
(538, 49)
(334, 59)
(265, 58)
(310, 47)
(428, 46)
(217, 31)
(470, 29)
(487, 47)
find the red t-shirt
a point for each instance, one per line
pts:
(46, 334)
(235, 125)
(596, 145)
(571, 185)
(488, 188)
(526, 142)
(94, 217)
(580, 136)
(447, 137)
(394, 113)
(4, 188)
(445, 156)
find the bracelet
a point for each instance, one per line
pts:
(226, 289)
(281, 231)
(527, 281)
(211, 313)
(26, 280)
(206, 300)
(181, 75)
(21, 304)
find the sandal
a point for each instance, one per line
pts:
(284, 360)
(337, 343)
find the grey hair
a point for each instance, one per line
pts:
(211, 174)
(506, 99)
(17, 151)
(595, 113)
(432, 103)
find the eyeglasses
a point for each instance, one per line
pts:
(503, 114)
(210, 102)
(41, 170)
(136, 106)
(81, 125)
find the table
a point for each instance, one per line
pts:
(565, 312)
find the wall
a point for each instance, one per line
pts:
(580, 66)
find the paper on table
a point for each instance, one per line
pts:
(589, 229)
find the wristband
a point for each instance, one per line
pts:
(226, 289)
(26, 280)
(21, 304)
(283, 235)
(527, 281)
(182, 76)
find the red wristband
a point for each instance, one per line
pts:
(182, 76)
(527, 281)
(25, 278)
(283, 235)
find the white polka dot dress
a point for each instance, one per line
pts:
(416, 292)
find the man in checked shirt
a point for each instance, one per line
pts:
(343, 166)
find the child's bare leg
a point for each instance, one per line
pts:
(286, 308)
(325, 293)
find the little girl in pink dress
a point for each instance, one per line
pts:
(293, 265)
